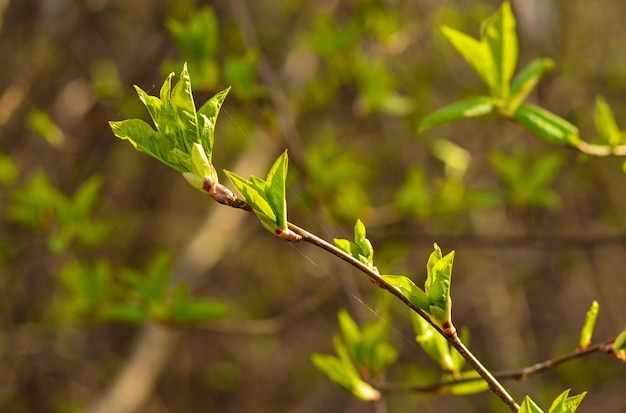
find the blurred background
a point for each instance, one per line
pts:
(539, 231)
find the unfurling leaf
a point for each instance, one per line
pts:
(361, 249)
(437, 285)
(605, 123)
(184, 137)
(590, 322)
(565, 403)
(266, 197)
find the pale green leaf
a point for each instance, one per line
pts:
(469, 108)
(256, 198)
(412, 292)
(588, 326)
(275, 190)
(501, 41)
(605, 123)
(472, 50)
(566, 404)
(529, 406)
(546, 125)
(350, 331)
(526, 80)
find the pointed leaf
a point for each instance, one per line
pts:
(546, 125)
(605, 123)
(469, 108)
(256, 199)
(473, 51)
(365, 246)
(344, 377)
(526, 80)
(590, 322)
(350, 332)
(529, 406)
(275, 190)
(209, 112)
(412, 292)
(179, 128)
(437, 286)
(267, 197)
(433, 343)
(501, 41)
(566, 404)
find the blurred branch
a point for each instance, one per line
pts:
(135, 382)
(544, 241)
(444, 387)
(278, 323)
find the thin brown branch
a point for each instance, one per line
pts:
(522, 374)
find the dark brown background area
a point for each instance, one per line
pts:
(523, 280)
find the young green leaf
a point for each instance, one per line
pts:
(361, 249)
(566, 404)
(412, 292)
(473, 51)
(433, 343)
(342, 372)
(184, 137)
(267, 197)
(468, 108)
(501, 42)
(590, 322)
(525, 81)
(619, 346)
(437, 286)
(546, 125)
(529, 406)
(605, 123)
(350, 332)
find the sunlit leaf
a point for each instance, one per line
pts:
(529, 406)
(526, 80)
(546, 125)
(566, 404)
(605, 123)
(412, 292)
(501, 40)
(473, 51)
(588, 326)
(266, 197)
(179, 128)
(469, 108)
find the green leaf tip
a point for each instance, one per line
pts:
(565, 403)
(361, 249)
(605, 123)
(588, 326)
(494, 55)
(437, 286)
(267, 198)
(184, 136)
